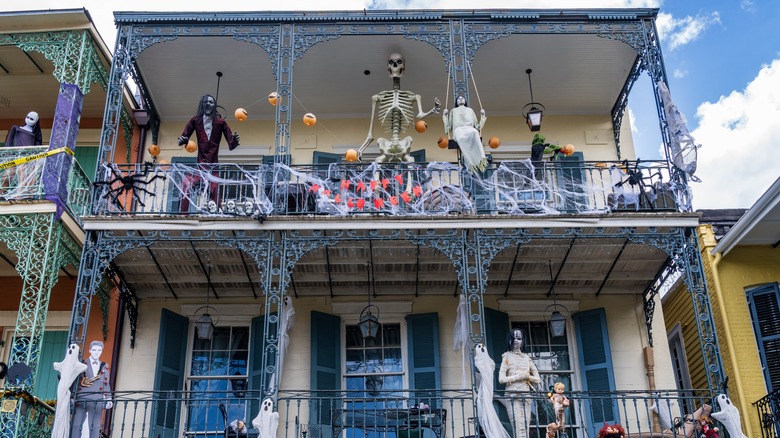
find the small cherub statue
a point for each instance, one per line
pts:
(559, 402)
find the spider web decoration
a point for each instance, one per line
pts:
(520, 187)
(22, 181)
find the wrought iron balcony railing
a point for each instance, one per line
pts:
(394, 414)
(23, 178)
(768, 408)
(343, 189)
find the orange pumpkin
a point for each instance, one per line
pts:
(154, 150)
(443, 142)
(191, 146)
(241, 114)
(351, 155)
(494, 142)
(273, 97)
(567, 149)
(309, 119)
(420, 126)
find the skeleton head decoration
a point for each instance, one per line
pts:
(396, 65)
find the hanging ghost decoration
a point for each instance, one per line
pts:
(683, 146)
(728, 415)
(267, 421)
(488, 418)
(70, 368)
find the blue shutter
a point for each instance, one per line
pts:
(764, 304)
(496, 329)
(256, 337)
(174, 191)
(53, 350)
(325, 368)
(424, 367)
(169, 373)
(418, 155)
(596, 367)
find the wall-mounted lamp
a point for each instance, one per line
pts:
(141, 117)
(533, 111)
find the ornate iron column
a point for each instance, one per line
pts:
(42, 246)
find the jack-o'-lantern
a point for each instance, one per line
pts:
(443, 142)
(351, 155)
(309, 119)
(241, 114)
(420, 126)
(154, 150)
(567, 149)
(272, 98)
(494, 142)
(191, 146)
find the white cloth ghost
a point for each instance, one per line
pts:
(488, 418)
(267, 421)
(69, 369)
(662, 408)
(286, 321)
(460, 338)
(728, 415)
(682, 144)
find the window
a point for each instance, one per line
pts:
(218, 380)
(680, 364)
(764, 302)
(552, 357)
(375, 366)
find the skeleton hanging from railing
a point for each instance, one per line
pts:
(682, 144)
(396, 113)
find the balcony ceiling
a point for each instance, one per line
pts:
(572, 74)
(400, 268)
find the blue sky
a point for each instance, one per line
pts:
(722, 58)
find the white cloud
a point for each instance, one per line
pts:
(679, 74)
(634, 123)
(681, 31)
(740, 137)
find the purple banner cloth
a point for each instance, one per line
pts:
(64, 130)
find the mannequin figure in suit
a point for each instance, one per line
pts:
(91, 396)
(209, 128)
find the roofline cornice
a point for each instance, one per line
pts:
(127, 17)
(750, 219)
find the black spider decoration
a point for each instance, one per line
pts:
(128, 184)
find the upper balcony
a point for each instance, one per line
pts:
(279, 67)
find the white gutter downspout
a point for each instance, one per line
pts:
(730, 343)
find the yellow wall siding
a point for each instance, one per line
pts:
(740, 269)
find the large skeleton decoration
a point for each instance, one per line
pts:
(396, 113)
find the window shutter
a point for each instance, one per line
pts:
(765, 312)
(53, 347)
(596, 366)
(418, 155)
(496, 328)
(322, 161)
(169, 373)
(325, 368)
(424, 367)
(175, 192)
(256, 336)
(87, 158)
(570, 180)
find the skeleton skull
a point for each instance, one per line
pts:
(396, 65)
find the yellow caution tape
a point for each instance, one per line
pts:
(27, 159)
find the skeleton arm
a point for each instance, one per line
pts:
(421, 114)
(370, 136)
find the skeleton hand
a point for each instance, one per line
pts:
(437, 105)
(482, 113)
(109, 404)
(236, 137)
(183, 140)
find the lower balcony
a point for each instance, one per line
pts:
(396, 189)
(396, 414)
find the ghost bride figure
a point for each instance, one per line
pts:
(461, 123)
(518, 372)
(488, 418)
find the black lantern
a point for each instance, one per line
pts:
(533, 111)
(204, 325)
(557, 320)
(369, 323)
